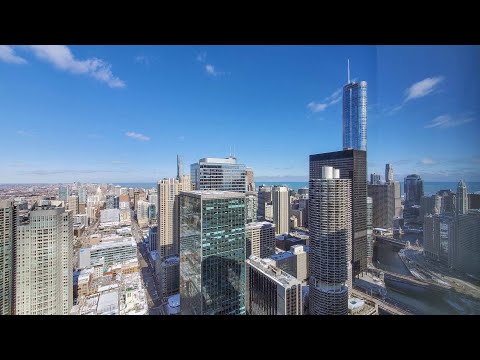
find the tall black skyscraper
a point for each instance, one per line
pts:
(353, 166)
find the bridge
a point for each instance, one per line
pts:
(390, 240)
(382, 304)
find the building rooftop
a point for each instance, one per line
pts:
(214, 194)
(278, 275)
(115, 243)
(259, 225)
(229, 160)
(281, 256)
(108, 303)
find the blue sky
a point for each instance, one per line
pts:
(122, 113)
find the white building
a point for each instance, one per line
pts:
(44, 263)
(113, 250)
(281, 208)
(260, 238)
(110, 216)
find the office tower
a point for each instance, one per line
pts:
(383, 205)
(63, 193)
(430, 205)
(112, 201)
(474, 201)
(73, 204)
(250, 180)
(397, 198)
(44, 262)
(219, 174)
(465, 233)
(353, 166)
(293, 262)
(330, 236)
(153, 199)
(448, 201)
(168, 232)
(271, 291)
(281, 207)
(179, 167)
(388, 173)
(110, 216)
(436, 239)
(355, 115)
(8, 235)
(375, 179)
(153, 238)
(413, 188)
(264, 198)
(303, 191)
(260, 238)
(212, 252)
(251, 204)
(300, 216)
(145, 212)
(82, 195)
(369, 230)
(136, 198)
(269, 212)
(462, 198)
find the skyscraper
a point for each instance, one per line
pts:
(251, 204)
(330, 239)
(260, 238)
(353, 166)
(73, 204)
(112, 201)
(168, 191)
(264, 198)
(8, 229)
(44, 263)
(219, 174)
(355, 115)
(413, 188)
(179, 167)
(281, 208)
(250, 180)
(465, 234)
(82, 195)
(271, 291)
(383, 202)
(375, 179)
(462, 198)
(369, 230)
(212, 252)
(388, 172)
(63, 194)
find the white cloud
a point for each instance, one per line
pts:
(211, 70)
(447, 121)
(142, 59)
(23, 133)
(137, 136)
(329, 100)
(62, 58)
(428, 161)
(202, 56)
(316, 107)
(8, 55)
(181, 138)
(422, 88)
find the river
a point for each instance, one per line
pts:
(424, 301)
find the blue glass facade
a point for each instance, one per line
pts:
(212, 253)
(355, 116)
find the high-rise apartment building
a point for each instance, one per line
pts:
(8, 234)
(212, 252)
(352, 165)
(44, 263)
(112, 201)
(281, 209)
(63, 194)
(168, 191)
(251, 204)
(219, 174)
(260, 239)
(388, 172)
(375, 179)
(355, 115)
(250, 180)
(270, 290)
(330, 239)
(82, 195)
(73, 204)
(462, 198)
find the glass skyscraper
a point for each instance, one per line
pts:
(219, 174)
(212, 253)
(355, 115)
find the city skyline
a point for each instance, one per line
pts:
(79, 118)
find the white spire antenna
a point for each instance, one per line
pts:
(348, 62)
(233, 150)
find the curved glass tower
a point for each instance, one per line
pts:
(355, 115)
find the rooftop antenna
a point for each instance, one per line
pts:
(233, 150)
(230, 154)
(348, 62)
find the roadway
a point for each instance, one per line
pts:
(147, 272)
(385, 303)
